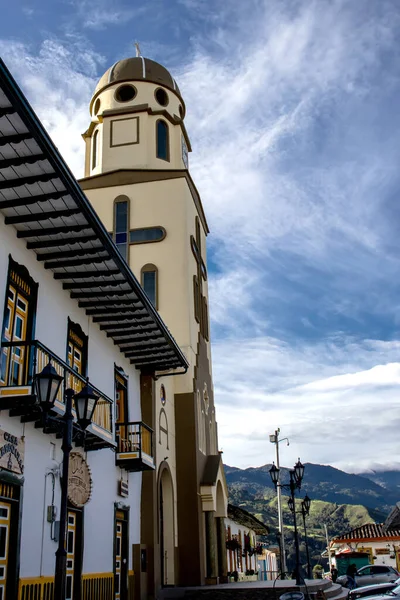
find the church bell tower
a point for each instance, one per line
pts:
(137, 178)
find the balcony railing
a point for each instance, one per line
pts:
(20, 361)
(134, 446)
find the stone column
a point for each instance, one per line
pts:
(211, 549)
(222, 552)
(150, 575)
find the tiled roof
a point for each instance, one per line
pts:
(246, 519)
(368, 531)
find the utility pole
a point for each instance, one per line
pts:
(274, 439)
(327, 545)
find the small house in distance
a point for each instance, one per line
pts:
(381, 546)
(246, 556)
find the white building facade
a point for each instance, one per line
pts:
(381, 545)
(247, 556)
(67, 297)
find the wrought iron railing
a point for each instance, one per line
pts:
(35, 356)
(134, 437)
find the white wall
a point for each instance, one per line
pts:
(381, 559)
(235, 530)
(54, 307)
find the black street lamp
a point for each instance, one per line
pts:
(305, 511)
(47, 384)
(296, 476)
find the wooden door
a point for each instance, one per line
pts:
(121, 411)
(74, 554)
(121, 556)
(5, 522)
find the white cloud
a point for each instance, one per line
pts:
(295, 145)
(266, 93)
(58, 81)
(28, 11)
(105, 14)
(346, 419)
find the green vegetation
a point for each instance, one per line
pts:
(251, 490)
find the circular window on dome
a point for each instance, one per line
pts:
(161, 96)
(96, 106)
(163, 396)
(125, 93)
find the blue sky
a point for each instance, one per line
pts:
(292, 110)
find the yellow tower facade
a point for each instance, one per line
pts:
(137, 178)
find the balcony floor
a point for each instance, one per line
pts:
(24, 406)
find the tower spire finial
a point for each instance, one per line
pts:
(138, 52)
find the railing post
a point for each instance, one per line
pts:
(27, 363)
(10, 355)
(34, 360)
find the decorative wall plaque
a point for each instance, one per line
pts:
(12, 452)
(79, 480)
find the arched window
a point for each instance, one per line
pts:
(149, 281)
(201, 424)
(203, 431)
(162, 140)
(205, 317)
(213, 434)
(206, 399)
(95, 142)
(121, 225)
(163, 427)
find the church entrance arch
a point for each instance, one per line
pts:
(166, 526)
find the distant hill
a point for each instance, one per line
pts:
(386, 479)
(326, 483)
(340, 501)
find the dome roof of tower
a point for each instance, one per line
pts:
(138, 69)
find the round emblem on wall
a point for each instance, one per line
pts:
(79, 480)
(163, 396)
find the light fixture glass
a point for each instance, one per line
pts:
(307, 504)
(298, 472)
(274, 472)
(85, 404)
(47, 384)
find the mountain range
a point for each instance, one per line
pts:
(340, 502)
(376, 491)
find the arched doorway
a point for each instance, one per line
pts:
(166, 526)
(221, 533)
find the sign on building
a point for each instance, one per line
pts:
(12, 452)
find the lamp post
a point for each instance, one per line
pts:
(47, 384)
(305, 511)
(274, 439)
(296, 476)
